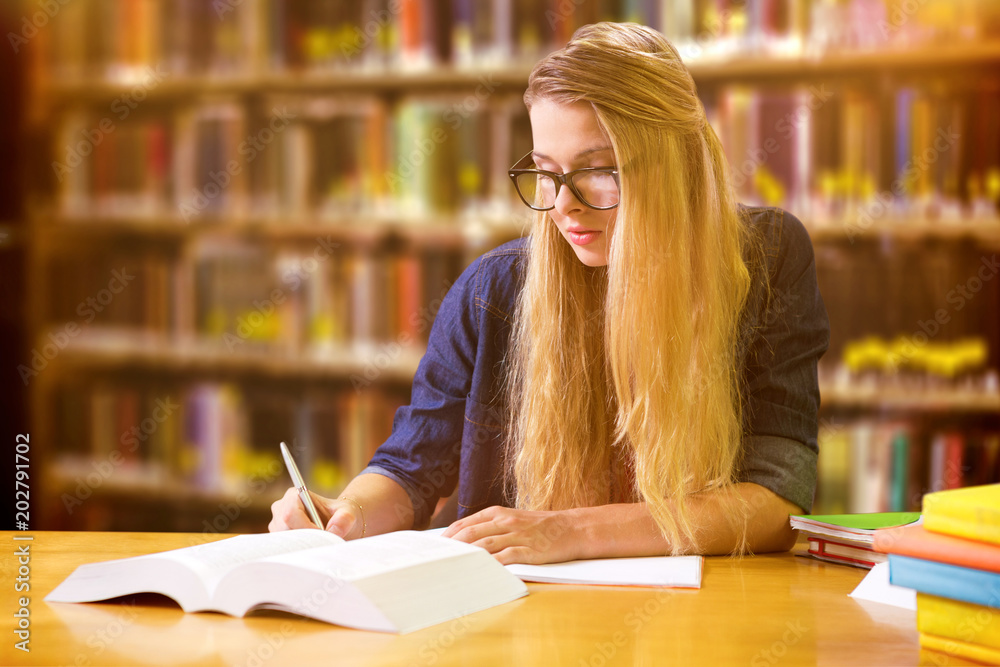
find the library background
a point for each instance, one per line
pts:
(234, 221)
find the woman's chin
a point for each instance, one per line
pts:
(591, 258)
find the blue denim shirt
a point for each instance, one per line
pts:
(451, 433)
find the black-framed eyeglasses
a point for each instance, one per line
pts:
(594, 187)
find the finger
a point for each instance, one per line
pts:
(481, 516)
(341, 523)
(518, 554)
(499, 542)
(288, 512)
(325, 507)
(478, 532)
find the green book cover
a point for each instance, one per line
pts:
(870, 521)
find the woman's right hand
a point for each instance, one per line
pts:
(340, 516)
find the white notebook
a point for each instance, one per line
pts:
(662, 571)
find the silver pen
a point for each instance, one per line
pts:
(300, 484)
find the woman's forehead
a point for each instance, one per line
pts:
(566, 131)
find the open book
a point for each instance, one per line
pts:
(398, 582)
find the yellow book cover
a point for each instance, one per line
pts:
(972, 512)
(954, 619)
(969, 651)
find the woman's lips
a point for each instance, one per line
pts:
(583, 238)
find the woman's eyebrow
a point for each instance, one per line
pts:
(579, 155)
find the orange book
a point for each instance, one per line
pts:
(410, 28)
(918, 542)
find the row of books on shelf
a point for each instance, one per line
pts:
(909, 303)
(903, 365)
(233, 37)
(830, 155)
(298, 158)
(952, 560)
(887, 466)
(297, 300)
(834, 153)
(211, 438)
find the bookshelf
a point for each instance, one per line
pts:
(294, 185)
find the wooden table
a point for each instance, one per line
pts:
(761, 611)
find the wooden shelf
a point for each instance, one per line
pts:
(957, 401)
(454, 233)
(382, 82)
(739, 67)
(927, 57)
(126, 350)
(64, 478)
(984, 231)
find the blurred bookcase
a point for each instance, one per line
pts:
(244, 215)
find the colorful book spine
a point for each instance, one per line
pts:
(968, 650)
(953, 619)
(972, 512)
(848, 554)
(951, 581)
(918, 542)
(900, 468)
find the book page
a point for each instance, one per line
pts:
(213, 560)
(362, 558)
(667, 571)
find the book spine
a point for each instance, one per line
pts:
(949, 581)
(817, 547)
(961, 649)
(982, 524)
(900, 476)
(958, 620)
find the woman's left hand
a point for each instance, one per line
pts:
(521, 536)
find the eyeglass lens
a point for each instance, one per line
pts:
(596, 188)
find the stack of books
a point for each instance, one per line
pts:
(953, 562)
(847, 538)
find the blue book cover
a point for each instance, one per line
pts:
(947, 581)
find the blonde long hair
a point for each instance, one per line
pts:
(631, 371)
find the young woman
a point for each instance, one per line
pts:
(636, 377)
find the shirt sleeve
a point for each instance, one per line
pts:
(422, 453)
(781, 388)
